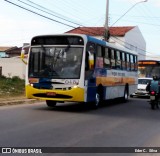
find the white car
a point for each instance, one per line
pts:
(142, 84)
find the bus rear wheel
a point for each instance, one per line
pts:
(125, 97)
(51, 103)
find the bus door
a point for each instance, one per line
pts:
(90, 79)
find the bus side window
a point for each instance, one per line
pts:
(128, 62)
(99, 57)
(107, 61)
(99, 51)
(135, 63)
(132, 62)
(113, 61)
(118, 60)
(123, 61)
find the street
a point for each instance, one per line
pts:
(131, 124)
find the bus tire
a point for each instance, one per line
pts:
(51, 103)
(125, 97)
(131, 96)
(99, 96)
(97, 101)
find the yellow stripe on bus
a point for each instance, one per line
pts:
(113, 81)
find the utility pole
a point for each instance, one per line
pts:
(106, 33)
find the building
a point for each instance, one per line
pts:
(128, 36)
(12, 65)
(14, 51)
(3, 52)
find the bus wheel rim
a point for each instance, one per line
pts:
(126, 95)
(97, 99)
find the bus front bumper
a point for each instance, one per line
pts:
(72, 95)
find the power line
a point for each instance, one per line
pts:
(46, 11)
(154, 17)
(60, 22)
(142, 22)
(126, 12)
(39, 14)
(45, 16)
(77, 8)
(130, 45)
(157, 25)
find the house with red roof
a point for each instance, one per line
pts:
(125, 36)
(10, 62)
(3, 52)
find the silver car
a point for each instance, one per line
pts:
(142, 84)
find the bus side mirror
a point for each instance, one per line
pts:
(23, 56)
(91, 61)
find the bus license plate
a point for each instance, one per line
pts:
(51, 94)
(152, 97)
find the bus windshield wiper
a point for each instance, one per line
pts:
(60, 52)
(67, 48)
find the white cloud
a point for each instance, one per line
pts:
(156, 3)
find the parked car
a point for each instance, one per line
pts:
(142, 84)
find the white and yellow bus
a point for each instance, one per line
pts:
(78, 68)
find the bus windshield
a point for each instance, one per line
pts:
(56, 62)
(148, 71)
(148, 68)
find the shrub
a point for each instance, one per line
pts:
(16, 78)
(11, 86)
(3, 77)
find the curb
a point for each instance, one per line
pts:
(17, 102)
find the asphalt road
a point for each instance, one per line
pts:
(115, 124)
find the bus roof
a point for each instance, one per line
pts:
(102, 42)
(93, 39)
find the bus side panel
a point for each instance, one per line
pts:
(118, 91)
(114, 92)
(115, 86)
(132, 88)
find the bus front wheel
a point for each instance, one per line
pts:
(97, 100)
(51, 103)
(99, 96)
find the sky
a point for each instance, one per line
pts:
(18, 26)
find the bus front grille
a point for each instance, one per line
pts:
(43, 95)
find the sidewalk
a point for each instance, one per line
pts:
(16, 100)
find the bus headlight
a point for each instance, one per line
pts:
(75, 87)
